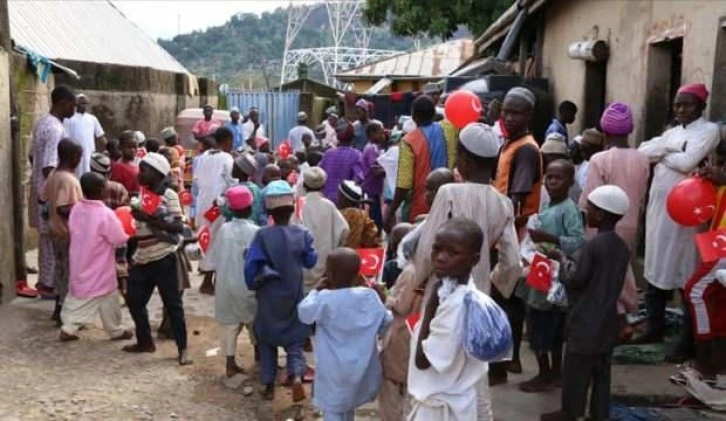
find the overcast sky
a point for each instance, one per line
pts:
(167, 18)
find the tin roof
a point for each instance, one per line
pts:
(431, 62)
(88, 31)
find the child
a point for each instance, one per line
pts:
(363, 231)
(562, 227)
(244, 169)
(391, 271)
(373, 173)
(593, 286)
(152, 145)
(403, 299)
(341, 163)
(326, 224)
(348, 319)
(271, 173)
(115, 194)
(262, 157)
(442, 377)
(126, 171)
(155, 262)
(553, 148)
(273, 269)
(60, 192)
(436, 178)
(95, 234)
(112, 150)
(234, 304)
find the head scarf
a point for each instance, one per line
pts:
(617, 119)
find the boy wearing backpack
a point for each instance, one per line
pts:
(442, 376)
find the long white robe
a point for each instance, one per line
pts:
(233, 302)
(451, 388)
(670, 251)
(329, 230)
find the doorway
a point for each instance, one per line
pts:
(665, 64)
(595, 81)
(718, 89)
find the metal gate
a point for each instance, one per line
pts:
(278, 110)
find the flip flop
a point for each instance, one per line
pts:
(23, 290)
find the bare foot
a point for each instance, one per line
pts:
(298, 392)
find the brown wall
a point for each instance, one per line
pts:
(7, 236)
(630, 27)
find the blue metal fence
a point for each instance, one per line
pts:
(278, 110)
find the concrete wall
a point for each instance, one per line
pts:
(7, 237)
(630, 27)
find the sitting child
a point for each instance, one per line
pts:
(348, 319)
(363, 231)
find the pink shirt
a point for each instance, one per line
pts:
(203, 127)
(95, 233)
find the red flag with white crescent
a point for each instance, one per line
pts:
(204, 237)
(371, 261)
(711, 245)
(212, 213)
(411, 321)
(185, 197)
(150, 201)
(540, 273)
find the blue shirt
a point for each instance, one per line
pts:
(237, 141)
(557, 127)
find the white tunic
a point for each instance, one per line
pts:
(670, 251)
(233, 302)
(84, 129)
(448, 389)
(295, 135)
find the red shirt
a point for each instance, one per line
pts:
(127, 174)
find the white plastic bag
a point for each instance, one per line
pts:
(487, 334)
(556, 294)
(528, 248)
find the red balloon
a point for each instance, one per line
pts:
(284, 150)
(463, 108)
(692, 202)
(127, 220)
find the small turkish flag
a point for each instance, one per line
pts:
(371, 261)
(411, 321)
(204, 237)
(540, 273)
(212, 213)
(186, 198)
(150, 201)
(711, 245)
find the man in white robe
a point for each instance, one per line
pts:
(670, 251)
(85, 130)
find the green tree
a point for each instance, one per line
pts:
(434, 18)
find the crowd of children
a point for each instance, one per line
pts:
(280, 236)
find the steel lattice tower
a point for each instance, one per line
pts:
(349, 37)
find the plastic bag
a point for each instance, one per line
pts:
(528, 248)
(556, 294)
(487, 334)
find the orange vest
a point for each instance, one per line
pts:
(421, 169)
(501, 183)
(719, 218)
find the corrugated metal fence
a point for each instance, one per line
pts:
(278, 110)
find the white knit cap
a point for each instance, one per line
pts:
(554, 144)
(140, 137)
(480, 139)
(409, 126)
(158, 162)
(522, 93)
(611, 199)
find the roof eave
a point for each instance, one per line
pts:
(500, 27)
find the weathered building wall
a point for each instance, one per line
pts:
(630, 27)
(7, 236)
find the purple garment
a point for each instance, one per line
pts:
(340, 164)
(372, 184)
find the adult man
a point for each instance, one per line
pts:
(363, 110)
(519, 177)
(670, 252)
(475, 199)
(206, 126)
(330, 123)
(47, 133)
(295, 136)
(252, 128)
(566, 113)
(85, 129)
(422, 151)
(236, 127)
(212, 177)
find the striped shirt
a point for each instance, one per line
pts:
(150, 248)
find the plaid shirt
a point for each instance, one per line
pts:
(115, 195)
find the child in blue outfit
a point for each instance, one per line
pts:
(273, 268)
(562, 227)
(348, 319)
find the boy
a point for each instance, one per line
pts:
(95, 234)
(348, 319)
(436, 178)
(126, 171)
(562, 227)
(373, 173)
(341, 163)
(442, 378)
(363, 231)
(273, 269)
(60, 192)
(234, 304)
(593, 286)
(326, 224)
(114, 194)
(244, 169)
(391, 271)
(155, 262)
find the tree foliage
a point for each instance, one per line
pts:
(435, 18)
